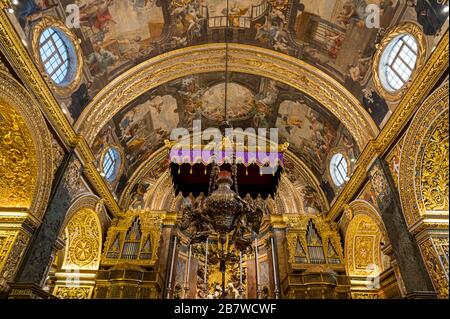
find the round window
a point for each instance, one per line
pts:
(339, 169)
(57, 56)
(111, 164)
(398, 62)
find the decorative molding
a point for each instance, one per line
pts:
(92, 202)
(67, 292)
(362, 207)
(434, 267)
(12, 247)
(362, 247)
(380, 185)
(83, 241)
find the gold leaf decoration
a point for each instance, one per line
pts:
(84, 241)
(18, 167)
(435, 170)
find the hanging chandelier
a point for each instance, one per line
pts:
(218, 212)
(223, 212)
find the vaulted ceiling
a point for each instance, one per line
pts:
(313, 81)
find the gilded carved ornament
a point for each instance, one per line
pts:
(435, 269)
(25, 144)
(12, 248)
(434, 168)
(67, 292)
(3, 68)
(359, 206)
(297, 227)
(18, 169)
(134, 239)
(83, 241)
(11, 44)
(424, 160)
(380, 185)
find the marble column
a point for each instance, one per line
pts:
(406, 251)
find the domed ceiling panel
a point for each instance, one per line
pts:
(141, 128)
(332, 35)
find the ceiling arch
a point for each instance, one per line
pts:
(241, 58)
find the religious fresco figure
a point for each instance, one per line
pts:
(96, 14)
(375, 105)
(30, 10)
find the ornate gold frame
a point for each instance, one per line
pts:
(403, 28)
(358, 207)
(350, 165)
(70, 263)
(89, 201)
(38, 28)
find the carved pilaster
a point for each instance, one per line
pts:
(412, 268)
(434, 251)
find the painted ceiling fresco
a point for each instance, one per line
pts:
(329, 34)
(141, 128)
